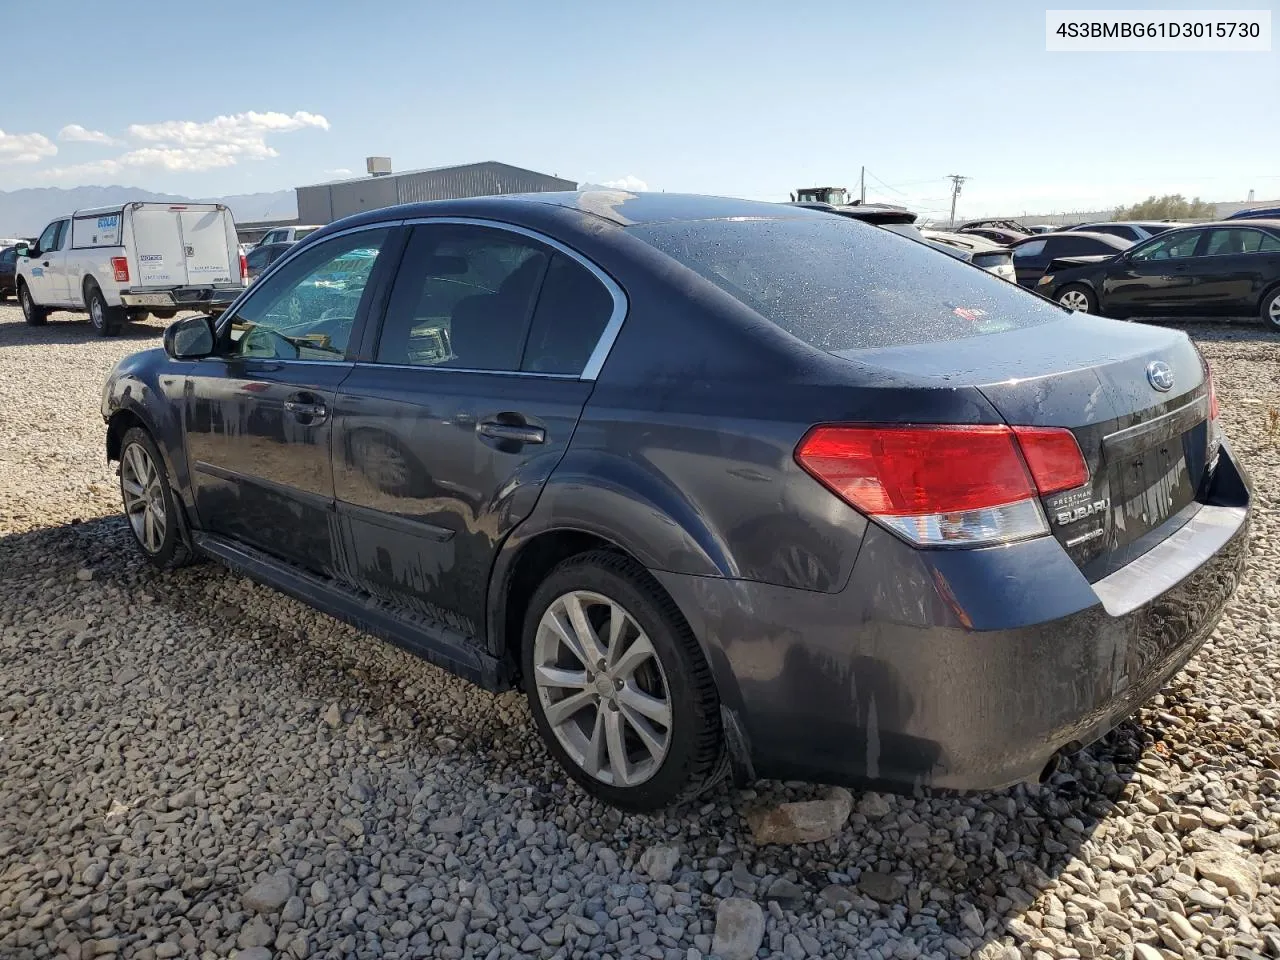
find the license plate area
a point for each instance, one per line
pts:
(1149, 487)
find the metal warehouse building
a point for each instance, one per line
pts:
(325, 202)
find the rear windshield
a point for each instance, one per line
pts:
(838, 284)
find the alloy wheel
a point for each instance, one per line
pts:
(25, 296)
(95, 311)
(1273, 312)
(602, 688)
(1075, 300)
(143, 494)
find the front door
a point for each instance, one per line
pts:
(1154, 277)
(259, 414)
(48, 274)
(469, 400)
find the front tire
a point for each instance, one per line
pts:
(618, 687)
(105, 319)
(36, 316)
(149, 502)
(1076, 296)
(1270, 310)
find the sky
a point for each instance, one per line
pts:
(739, 98)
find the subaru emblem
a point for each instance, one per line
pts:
(1160, 376)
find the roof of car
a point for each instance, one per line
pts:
(617, 206)
(1110, 239)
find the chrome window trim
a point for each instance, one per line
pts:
(374, 365)
(595, 362)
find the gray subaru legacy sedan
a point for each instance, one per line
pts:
(728, 488)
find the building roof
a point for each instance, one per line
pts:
(422, 170)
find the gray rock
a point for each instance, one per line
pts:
(293, 910)
(873, 806)
(784, 890)
(881, 886)
(254, 953)
(739, 929)
(1240, 877)
(660, 862)
(269, 894)
(808, 821)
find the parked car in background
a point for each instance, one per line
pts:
(1131, 230)
(995, 234)
(286, 235)
(1032, 254)
(1257, 213)
(1013, 226)
(262, 256)
(968, 247)
(1230, 268)
(125, 261)
(771, 562)
(987, 254)
(1036, 228)
(8, 272)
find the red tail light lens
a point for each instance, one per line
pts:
(120, 267)
(244, 267)
(1054, 458)
(939, 485)
(1213, 391)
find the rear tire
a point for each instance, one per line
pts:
(1270, 309)
(1076, 296)
(150, 506)
(36, 316)
(106, 320)
(640, 664)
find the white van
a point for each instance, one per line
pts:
(133, 259)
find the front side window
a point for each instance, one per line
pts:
(839, 285)
(48, 241)
(1169, 247)
(463, 298)
(306, 310)
(1223, 243)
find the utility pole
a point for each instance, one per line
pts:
(862, 191)
(956, 181)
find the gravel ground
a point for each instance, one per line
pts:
(192, 765)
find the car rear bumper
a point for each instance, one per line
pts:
(189, 298)
(963, 669)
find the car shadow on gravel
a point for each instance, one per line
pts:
(70, 328)
(995, 854)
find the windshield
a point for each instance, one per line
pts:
(839, 285)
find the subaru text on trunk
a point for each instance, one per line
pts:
(724, 486)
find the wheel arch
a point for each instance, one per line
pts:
(1266, 292)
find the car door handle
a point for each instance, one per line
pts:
(45, 264)
(520, 432)
(310, 411)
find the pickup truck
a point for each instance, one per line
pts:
(125, 261)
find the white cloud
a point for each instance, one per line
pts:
(25, 147)
(338, 172)
(74, 133)
(628, 183)
(187, 146)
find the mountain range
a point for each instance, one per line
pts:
(24, 213)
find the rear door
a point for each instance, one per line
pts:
(1155, 277)
(259, 414)
(157, 246)
(1237, 264)
(1029, 260)
(207, 258)
(446, 432)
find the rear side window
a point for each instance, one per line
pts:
(463, 298)
(841, 285)
(1270, 244)
(1025, 251)
(573, 309)
(1223, 243)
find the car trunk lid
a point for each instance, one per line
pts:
(1146, 448)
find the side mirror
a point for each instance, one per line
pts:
(23, 250)
(189, 338)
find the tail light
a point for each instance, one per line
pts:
(244, 267)
(120, 267)
(946, 485)
(1215, 436)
